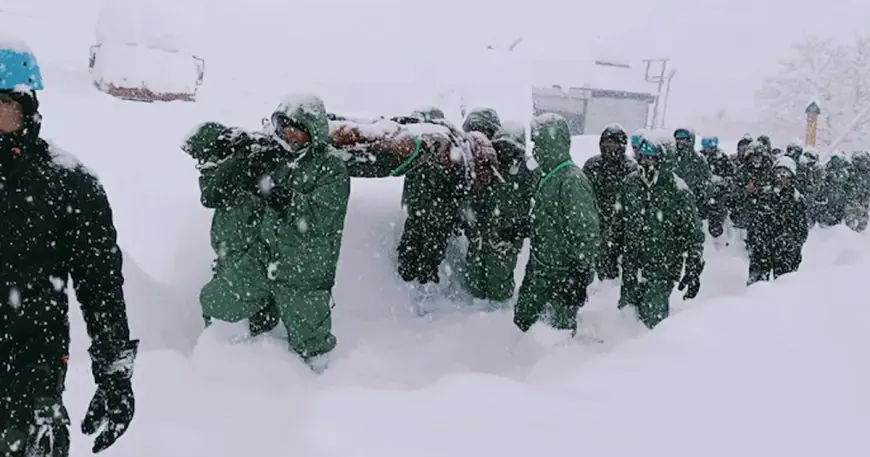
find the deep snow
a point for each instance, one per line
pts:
(775, 369)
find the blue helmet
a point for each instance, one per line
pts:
(710, 142)
(636, 140)
(649, 149)
(19, 68)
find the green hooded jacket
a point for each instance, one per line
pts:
(227, 186)
(565, 226)
(304, 237)
(500, 220)
(656, 227)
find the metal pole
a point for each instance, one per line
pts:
(660, 79)
(667, 96)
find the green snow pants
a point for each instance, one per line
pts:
(307, 314)
(33, 419)
(651, 297)
(490, 268)
(552, 296)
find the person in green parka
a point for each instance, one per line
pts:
(280, 201)
(834, 191)
(431, 195)
(857, 213)
(500, 221)
(565, 233)
(606, 172)
(693, 168)
(658, 233)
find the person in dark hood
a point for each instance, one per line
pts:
(691, 166)
(606, 172)
(723, 173)
(834, 192)
(565, 234)
(858, 201)
(500, 221)
(432, 197)
(657, 233)
(777, 227)
(808, 178)
(753, 175)
(57, 224)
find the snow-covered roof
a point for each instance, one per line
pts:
(587, 74)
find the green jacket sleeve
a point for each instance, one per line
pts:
(323, 208)
(580, 218)
(692, 234)
(219, 184)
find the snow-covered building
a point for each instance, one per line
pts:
(591, 95)
(141, 53)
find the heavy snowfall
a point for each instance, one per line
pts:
(775, 368)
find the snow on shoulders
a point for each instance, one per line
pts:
(614, 126)
(681, 184)
(14, 44)
(63, 159)
(378, 128)
(425, 128)
(305, 101)
(513, 128)
(661, 137)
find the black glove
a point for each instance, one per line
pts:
(280, 198)
(111, 410)
(693, 283)
(576, 286)
(692, 278)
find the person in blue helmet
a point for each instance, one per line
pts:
(723, 172)
(636, 140)
(691, 166)
(56, 223)
(657, 235)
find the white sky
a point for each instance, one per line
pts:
(721, 48)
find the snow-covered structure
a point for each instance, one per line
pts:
(593, 94)
(140, 52)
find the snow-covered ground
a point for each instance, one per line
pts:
(775, 369)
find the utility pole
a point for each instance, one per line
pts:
(656, 79)
(667, 95)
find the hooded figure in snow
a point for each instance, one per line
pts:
(722, 169)
(500, 220)
(657, 231)
(835, 191)
(606, 172)
(858, 202)
(432, 195)
(778, 225)
(754, 175)
(565, 233)
(280, 201)
(692, 167)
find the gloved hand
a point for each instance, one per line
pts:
(575, 287)
(692, 283)
(111, 410)
(280, 198)
(716, 230)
